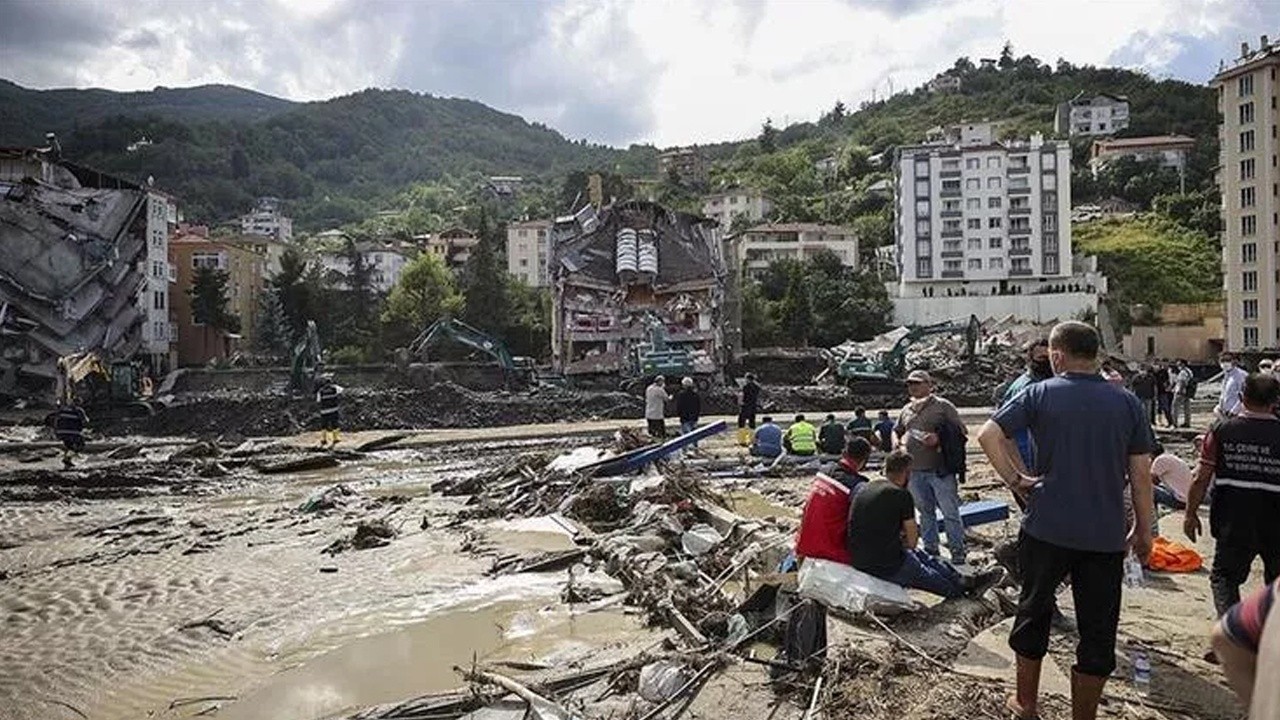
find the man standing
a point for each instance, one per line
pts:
(1088, 435)
(1038, 368)
(750, 403)
(883, 536)
(1144, 386)
(1243, 453)
(932, 486)
(68, 427)
(688, 406)
(831, 437)
(1232, 382)
(801, 438)
(884, 431)
(1184, 389)
(655, 407)
(1163, 374)
(328, 398)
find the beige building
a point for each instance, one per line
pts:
(1250, 184)
(1170, 150)
(1191, 332)
(724, 206)
(763, 244)
(687, 164)
(528, 250)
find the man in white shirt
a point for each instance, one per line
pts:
(1173, 477)
(1232, 384)
(655, 407)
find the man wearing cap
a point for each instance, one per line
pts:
(931, 485)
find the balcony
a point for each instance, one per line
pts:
(955, 192)
(1024, 210)
(952, 213)
(953, 253)
(948, 173)
(952, 233)
(1019, 231)
(1019, 251)
(952, 274)
(1020, 190)
(1020, 272)
(1018, 169)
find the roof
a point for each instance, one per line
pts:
(1152, 141)
(801, 227)
(530, 225)
(1247, 62)
(687, 244)
(1083, 99)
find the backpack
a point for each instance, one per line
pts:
(1190, 389)
(951, 444)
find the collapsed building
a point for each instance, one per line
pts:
(636, 278)
(73, 251)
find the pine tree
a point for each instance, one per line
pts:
(209, 303)
(484, 283)
(272, 338)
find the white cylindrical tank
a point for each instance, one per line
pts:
(647, 254)
(626, 253)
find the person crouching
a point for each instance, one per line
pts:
(823, 526)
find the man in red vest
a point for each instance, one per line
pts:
(826, 513)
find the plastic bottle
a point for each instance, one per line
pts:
(1141, 671)
(1133, 576)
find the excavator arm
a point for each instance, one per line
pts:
(307, 359)
(463, 334)
(893, 363)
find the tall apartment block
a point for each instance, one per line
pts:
(981, 217)
(1249, 179)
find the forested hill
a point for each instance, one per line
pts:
(26, 115)
(334, 162)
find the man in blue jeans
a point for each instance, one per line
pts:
(931, 486)
(883, 535)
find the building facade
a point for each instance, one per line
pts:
(687, 164)
(1249, 180)
(763, 244)
(1102, 114)
(724, 207)
(529, 252)
(1170, 151)
(245, 263)
(386, 264)
(154, 295)
(981, 217)
(267, 220)
(453, 246)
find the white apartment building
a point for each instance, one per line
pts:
(386, 264)
(267, 220)
(528, 252)
(1249, 180)
(153, 298)
(1102, 114)
(763, 244)
(724, 206)
(978, 219)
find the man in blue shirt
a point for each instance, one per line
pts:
(1038, 368)
(884, 431)
(1091, 439)
(768, 440)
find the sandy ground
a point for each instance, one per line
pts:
(220, 601)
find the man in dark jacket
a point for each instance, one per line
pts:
(688, 406)
(831, 437)
(68, 426)
(750, 403)
(1144, 386)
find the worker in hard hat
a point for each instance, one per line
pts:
(328, 398)
(68, 426)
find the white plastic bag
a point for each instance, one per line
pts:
(661, 680)
(837, 585)
(699, 539)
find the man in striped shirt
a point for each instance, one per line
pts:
(1243, 454)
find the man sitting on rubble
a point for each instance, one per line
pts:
(801, 438)
(883, 534)
(831, 437)
(824, 524)
(768, 440)
(860, 425)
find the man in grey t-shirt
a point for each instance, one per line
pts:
(931, 485)
(1092, 439)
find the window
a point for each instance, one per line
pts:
(975, 243)
(1246, 169)
(973, 184)
(1050, 244)
(973, 204)
(975, 264)
(974, 223)
(993, 183)
(1246, 113)
(1019, 243)
(950, 206)
(1249, 225)
(922, 227)
(1019, 182)
(951, 246)
(923, 248)
(972, 163)
(1246, 141)
(1049, 202)
(733, 200)
(951, 164)
(1020, 263)
(949, 186)
(1245, 85)
(922, 208)
(922, 166)
(1049, 223)
(950, 226)
(1249, 253)
(158, 299)
(214, 261)
(1020, 223)
(994, 203)
(922, 188)
(1249, 281)
(994, 223)
(995, 243)
(1251, 336)
(996, 263)
(1048, 182)
(924, 267)
(993, 163)
(524, 262)
(952, 266)
(1248, 197)
(1250, 309)
(1019, 203)
(1051, 264)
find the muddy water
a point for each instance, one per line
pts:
(105, 617)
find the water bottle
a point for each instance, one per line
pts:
(1141, 671)
(1132, 571)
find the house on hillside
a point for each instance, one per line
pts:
(726, 205)
(763, 244)
(1101, 114)
(529, 251)
(1171, 151)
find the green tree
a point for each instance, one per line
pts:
(847, 305)
(487, 304)
(209, 303)
(795, 313)
(298, 286)
(1199, 211)
(768, 136)
(426, 292)
(271, 333)
(354, 313)
(529, 332)
(759, 326)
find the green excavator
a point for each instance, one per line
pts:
(890, 367)
(517, 371)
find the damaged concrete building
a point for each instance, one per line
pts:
(73, 266)
(633, 276)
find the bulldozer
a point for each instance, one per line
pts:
(516, 371)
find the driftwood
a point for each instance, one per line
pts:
(303, 464)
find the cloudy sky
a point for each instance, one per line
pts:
(614, 71)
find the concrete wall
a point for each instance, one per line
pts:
(1036, 308)
(265, 379)
(1194, 343)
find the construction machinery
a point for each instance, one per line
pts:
(890, 366)
(103, 388)
(307, 362)
(515, 370)
(657, 356)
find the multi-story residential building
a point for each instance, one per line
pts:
(749, 204)
(453, 246)
(687, 164)
(267, 220)
(1249, 180)
(943, 82)
(154, 293)
(763, 244)
(980, 217)
(1170, 150)
(1102, 114)
(244, 261)
(529, 250)
(385, 262)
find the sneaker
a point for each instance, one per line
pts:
(986, 580)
